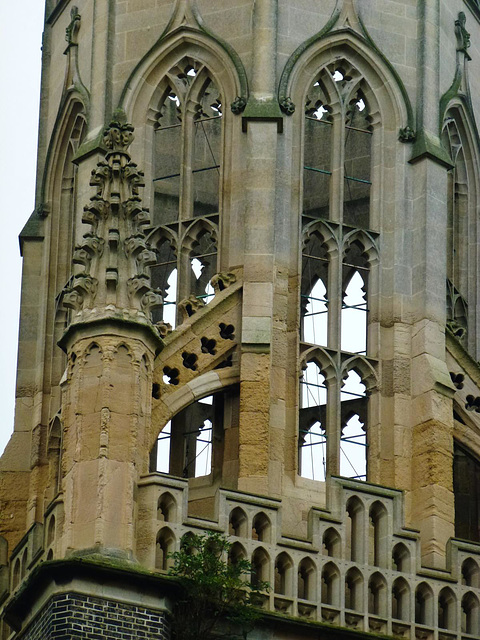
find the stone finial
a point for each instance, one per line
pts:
(112, 277)
(118, 136)
(463, 37)
(71, 31)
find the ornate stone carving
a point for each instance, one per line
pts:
(287, 106)
(121, 286)
(463, 37)
(238, 105)
(189, 306)
(71, 31)
(407, 134)
(221, 281)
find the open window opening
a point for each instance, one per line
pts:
(357, 162)
(355, 530)
(191, 443)
(466, 489)
(317, 152)
(166, 508)
(283, 575)
(447, 609)
(401, 558)
(353, 441)
(164, 277)
(354, 314)
(331, 584)
(313, 438)
(377, 595)
(238, 523)
(424, 605)
(207, 150)
(187, 145)
(401, 600)
(470, 573)
(460, 198)
(307, 578)
(332, 543)
(378, 538)
(203, 261)
(470, 614)
(354, 590)
(314, 299)
(164, 547)
(260, 567)
(261, 528)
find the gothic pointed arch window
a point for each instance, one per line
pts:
(187, 168)
(461, 214)
(191, 444)
(339, 260)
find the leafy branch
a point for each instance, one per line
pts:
(218, 598)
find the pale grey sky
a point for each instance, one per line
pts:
(20, 52)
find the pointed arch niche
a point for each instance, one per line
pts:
(461, 227)
(59, 200)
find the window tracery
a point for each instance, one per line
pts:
(338, 255)
(187, 168)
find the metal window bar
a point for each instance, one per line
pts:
(177, 175)
(321, 121)
(353, 440)
(201, 429)
(304, 295)
(351, 393)
(347, 126)
(319, 386)
(324, 171)
(359, 307)
(313, 433)
(354, 266)
(308, 255)
(208, 143)
(312, 396)
(173, 126)
(352, 179)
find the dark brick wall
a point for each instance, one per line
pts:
(78, 617)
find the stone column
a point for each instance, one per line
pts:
(431, 388)
(258, 293)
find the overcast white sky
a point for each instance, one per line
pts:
(21, 26)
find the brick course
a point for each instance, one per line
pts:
(79, 617)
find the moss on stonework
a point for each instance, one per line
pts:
(428, 145)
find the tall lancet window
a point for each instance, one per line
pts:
(338, 251)
(187, 159)
(460, 198)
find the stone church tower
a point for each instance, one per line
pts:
(250, 305)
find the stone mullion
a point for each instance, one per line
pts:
(186, 176)
(334, 296)
(336, 181)
(333, 426)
